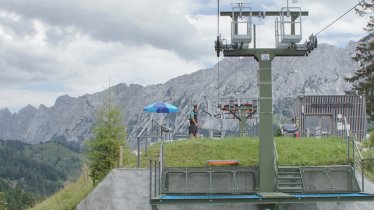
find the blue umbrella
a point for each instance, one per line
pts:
(161, 107)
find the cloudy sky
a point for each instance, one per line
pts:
(50, 48)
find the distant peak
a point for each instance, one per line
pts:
(351, 44)
(6, 110)
(63, 99)
(42, 106)
(120, 85)
(28, 108)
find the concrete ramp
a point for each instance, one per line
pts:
(128, 189)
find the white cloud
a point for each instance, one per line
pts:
(78, 46)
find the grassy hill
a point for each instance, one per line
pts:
(325, 151)
(68, 197)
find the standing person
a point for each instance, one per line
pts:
(194, 125)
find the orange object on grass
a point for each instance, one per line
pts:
(223, 162)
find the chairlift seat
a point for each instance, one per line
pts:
(283, 45)
(235, 107)
(217, 134)
(291, 38)
(241, 38)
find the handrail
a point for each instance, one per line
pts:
(276, 153)
(154, 178)
(155, 174)
(347, 136)
(358, 162)
(357, 149)
(276, 160)
(140, 136)
(145, 127)
(138, 141)
(161, 164)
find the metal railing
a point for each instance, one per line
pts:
(155, 173)
(154, 178)
(209, 180)
(347, 137)
(359, 163)
(276, 164)
(151, 131)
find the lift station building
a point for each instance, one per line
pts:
(323, 115)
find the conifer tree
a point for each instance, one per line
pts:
(3, 204)
(363, 79)
(104, 148)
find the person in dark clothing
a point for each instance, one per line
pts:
(194, 125)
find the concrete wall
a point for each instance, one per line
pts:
(121, 189)
(128, 189)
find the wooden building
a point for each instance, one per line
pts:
(320, 115)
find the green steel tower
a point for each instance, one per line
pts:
(286, 45)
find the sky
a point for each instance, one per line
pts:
(50, 48)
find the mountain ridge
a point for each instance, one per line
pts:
(71, 118)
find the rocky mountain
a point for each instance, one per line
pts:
(322, 72)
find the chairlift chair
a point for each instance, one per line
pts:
(218, 129)
(288, 29)
(240, 23)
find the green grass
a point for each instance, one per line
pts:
(368, 153)
(311, 152)
(68, 197)
(195, 153)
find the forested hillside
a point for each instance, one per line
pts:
(31, 172)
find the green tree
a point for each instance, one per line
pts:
(363, 79)
(3, 204)
(104, 148)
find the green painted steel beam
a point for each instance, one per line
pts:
(267, 13)
(242, 123)
(259, 51)
(266, 151)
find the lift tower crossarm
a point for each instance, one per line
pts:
(258, 51)
(263, 13)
